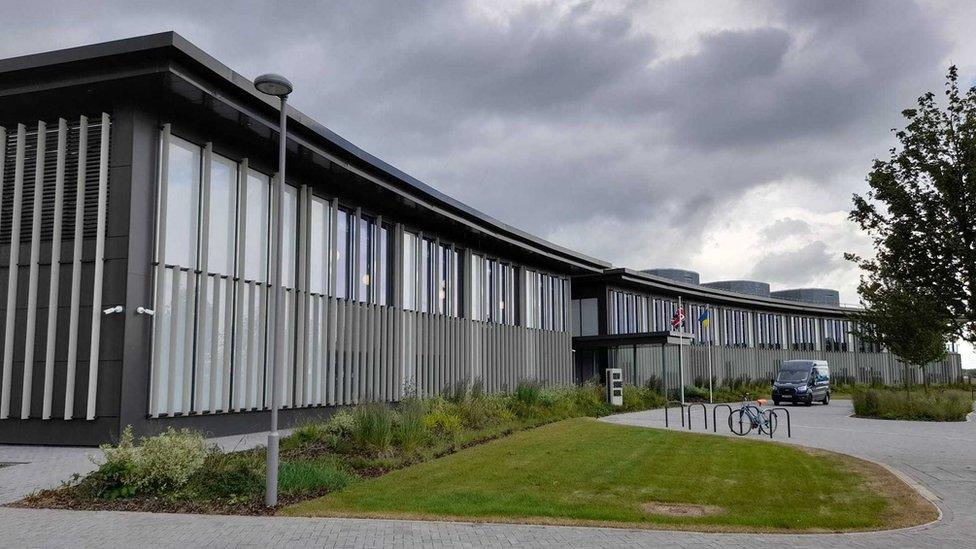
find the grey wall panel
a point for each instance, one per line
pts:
(42, 329)
(730, 363)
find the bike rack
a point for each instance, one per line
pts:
(715, 423)
(789, 429)
(682, 414)
(704, 413)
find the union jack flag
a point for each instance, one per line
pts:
(678, 320)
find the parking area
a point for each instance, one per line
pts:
(940, 457)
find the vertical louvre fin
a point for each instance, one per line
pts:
(8, 339)
(55, 279)
(69, 387)
(35, 252)
(157, 400)
(99, 267)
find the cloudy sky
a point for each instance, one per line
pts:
(725, 137)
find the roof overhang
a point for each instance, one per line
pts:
(631, 340)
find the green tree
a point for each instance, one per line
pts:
(910, 323)
(920, 211)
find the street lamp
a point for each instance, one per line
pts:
(280, 87)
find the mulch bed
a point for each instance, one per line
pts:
(64, 499)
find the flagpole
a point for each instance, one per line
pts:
(681, 368)
(708, 335)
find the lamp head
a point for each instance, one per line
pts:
(273, 84)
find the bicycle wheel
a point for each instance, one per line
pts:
(740, 423)
(770, 421)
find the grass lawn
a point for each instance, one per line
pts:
(582, 471)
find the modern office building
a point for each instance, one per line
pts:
(136, 208)
(622, 318)
(135, 219)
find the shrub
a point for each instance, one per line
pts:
(641, 398)
(158, 464)
(656, 384)
(169, 459)
(372, 429)
(231, 477)
(456, 392)
(527, 392)
(550, 396)
(410, 432)
(696, 394)
(485, 411)
(590, 399)
(443, 419)
(341, 424)
(943, 405)
(312, 432)
(477, 389)
(304, 477)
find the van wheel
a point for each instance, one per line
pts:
(775, 402)
(826, 399)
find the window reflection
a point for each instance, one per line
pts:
(319, 227)
(223, 215)
(182, 203)
(432, 276)
(257, 225)
(493, 291)
(343, 258)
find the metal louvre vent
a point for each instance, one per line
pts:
(50, 163)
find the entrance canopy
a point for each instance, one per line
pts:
(626, 340)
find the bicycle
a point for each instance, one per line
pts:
(752, 416)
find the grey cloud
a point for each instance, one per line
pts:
(785, 227)
(798, 267)
(559, 116)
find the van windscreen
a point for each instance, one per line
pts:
(792, 375)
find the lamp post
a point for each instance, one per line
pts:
(280, 87)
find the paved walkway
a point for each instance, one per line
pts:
(942, 457)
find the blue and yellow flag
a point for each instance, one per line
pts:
(703, 319)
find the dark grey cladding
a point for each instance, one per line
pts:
(819, 296)
(680, 275)
(748, 287)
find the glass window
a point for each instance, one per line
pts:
(457, 275)
(256, 231)
(545, 302)
(410, 271)
(385, 252)
(437, 276)
(424, 273)
(366, 260)
(343, 255)
(222, 214)
(494, 291)
(319, 226)
(477, 287)
(182, 203)
(289, 246)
